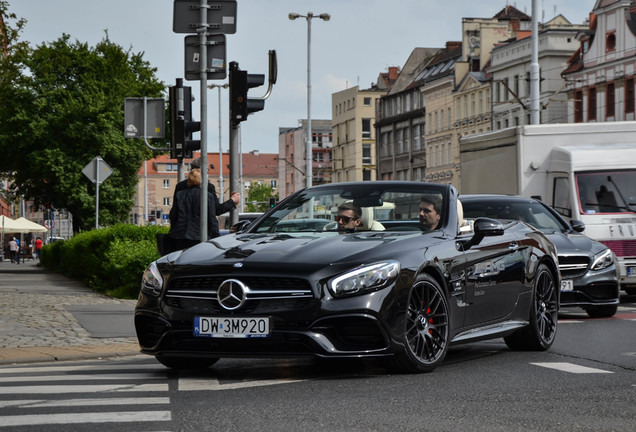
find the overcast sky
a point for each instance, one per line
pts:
(362, 39)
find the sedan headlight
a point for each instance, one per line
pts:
(366, 278)
(152, 282)
(603, 260)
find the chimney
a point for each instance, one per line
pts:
(451, 45)
(393, 72)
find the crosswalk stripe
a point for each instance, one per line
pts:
(572, 368)
(212, 384)
(77, 418)
(97, 368)
(43, 389)
(97, 377)
(41, 403)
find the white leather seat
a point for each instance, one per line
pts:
(367, 222)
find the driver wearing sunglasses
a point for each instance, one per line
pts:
(348, 217)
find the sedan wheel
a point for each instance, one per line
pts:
(426, 328)
(541, 331)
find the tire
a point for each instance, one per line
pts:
(602, 311)
(539, 334)
(180, 363)
(426, 329)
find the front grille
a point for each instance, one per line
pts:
(622, 248)
(266, 294)
(573, 266)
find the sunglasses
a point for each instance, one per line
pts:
(343, 219)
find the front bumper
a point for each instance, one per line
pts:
(594, 288)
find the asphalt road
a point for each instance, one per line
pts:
(585, 382)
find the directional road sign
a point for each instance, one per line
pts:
(221, 16)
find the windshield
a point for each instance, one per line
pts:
(374, 206)
(607, 192)
(531, 212)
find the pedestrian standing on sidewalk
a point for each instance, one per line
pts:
(15, 250)
(38, 247)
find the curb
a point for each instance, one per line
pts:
(50, 354)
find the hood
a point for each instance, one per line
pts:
(306, 251)
(575, 243)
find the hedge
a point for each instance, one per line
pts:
(109, 260)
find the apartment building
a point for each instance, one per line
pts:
(602, 70)
(510, 72)
(292, 159)
(353, 118)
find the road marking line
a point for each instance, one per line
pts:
(96, 377)
(93, 368)
(39, 403)
(212, 384)
(572, 368)
(55, 389)
(75, 418)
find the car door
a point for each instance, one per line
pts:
(494, 278)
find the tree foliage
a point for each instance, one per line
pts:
(61, 105)
(258, 197)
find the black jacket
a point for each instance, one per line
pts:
(185, 221)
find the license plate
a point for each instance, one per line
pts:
(631, 271)
(231, 327)
(567, 285)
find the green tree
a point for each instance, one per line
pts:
(260, 194)
(62, 104)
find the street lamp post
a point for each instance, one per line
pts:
(308, 17)
(220, 86)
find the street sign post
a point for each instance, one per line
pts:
(97, 171)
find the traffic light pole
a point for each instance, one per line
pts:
(203, 31)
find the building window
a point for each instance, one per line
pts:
(610, 96)
(629, 95)
(273, 183)
(366, 154)
(591, 103)
(367, 101)
(166, 201)
(610, 41)
(366, 128)
(166, 183)
(578, 106)
(366, 175)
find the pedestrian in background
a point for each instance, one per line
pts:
(185, 215)
(15, 250)
(38, 247)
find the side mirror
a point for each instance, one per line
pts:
(483, 227)
(577, 225)
(240, 226)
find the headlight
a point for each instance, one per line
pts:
(603, 260)
(152, 282)
(363, 279)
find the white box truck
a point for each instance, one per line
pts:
(586, 172)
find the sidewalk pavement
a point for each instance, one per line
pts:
(45, 316)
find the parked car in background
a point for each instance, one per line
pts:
(588, 268)
(292, 284)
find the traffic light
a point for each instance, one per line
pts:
(272, 202)
(240, 83)
(181, 125)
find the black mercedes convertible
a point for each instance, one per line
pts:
(299, 281)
